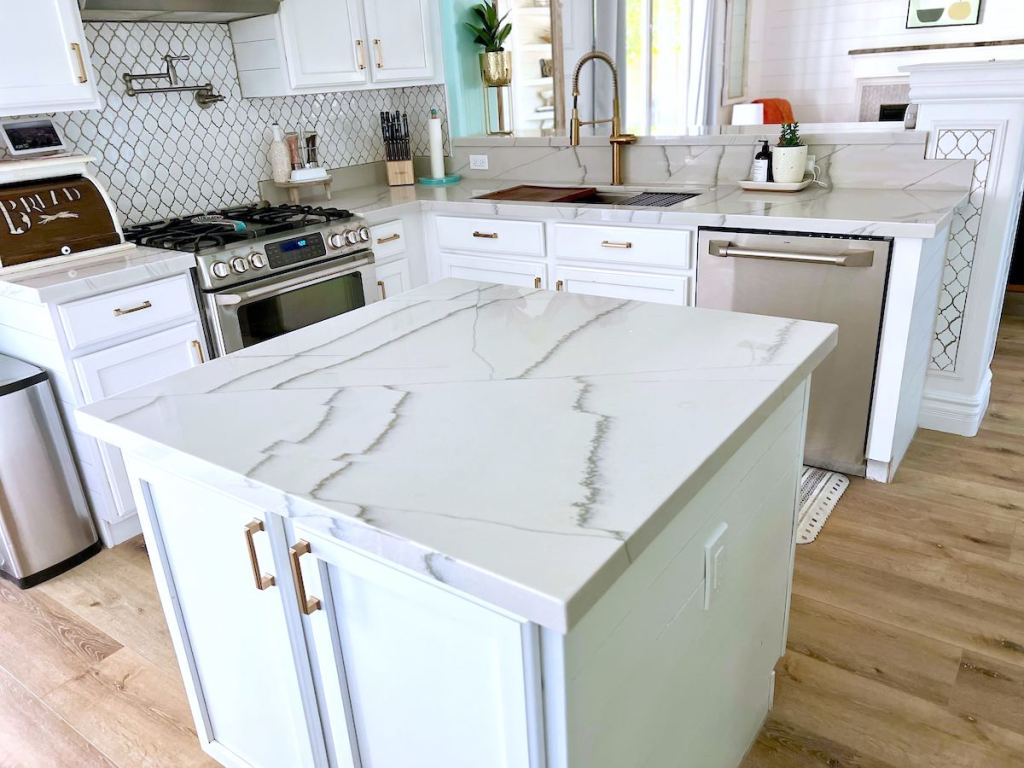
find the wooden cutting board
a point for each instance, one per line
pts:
(530, 193)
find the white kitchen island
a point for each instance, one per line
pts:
(478, 526)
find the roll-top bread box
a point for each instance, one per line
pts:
(49, 217)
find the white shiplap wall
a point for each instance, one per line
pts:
(798, 49)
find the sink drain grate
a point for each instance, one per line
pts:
(658, 199)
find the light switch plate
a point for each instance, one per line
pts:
(479, 162)
(714, 563)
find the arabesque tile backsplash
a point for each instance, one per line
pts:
(161, 155)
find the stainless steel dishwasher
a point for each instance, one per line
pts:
(827, 278)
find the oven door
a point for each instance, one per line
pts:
(268, 308)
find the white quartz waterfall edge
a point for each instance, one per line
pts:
(820, 491)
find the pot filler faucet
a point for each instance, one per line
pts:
(617, 139)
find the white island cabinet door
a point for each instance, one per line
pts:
(400, 34)
(241, 665)
(128, 366)
(44, 58)
(413, 673)
(324, 43)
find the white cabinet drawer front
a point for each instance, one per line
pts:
(113, 315)
(635, 286)
(387, 240)
(523, 274)
(515, 238)
(624, 245)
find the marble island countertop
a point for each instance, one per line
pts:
(520, 446)
(913, 213)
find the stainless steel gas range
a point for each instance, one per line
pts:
(262, 271)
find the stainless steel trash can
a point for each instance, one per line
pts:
(45, 525)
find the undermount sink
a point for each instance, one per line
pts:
(590, 196)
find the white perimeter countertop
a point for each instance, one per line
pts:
(520, 446)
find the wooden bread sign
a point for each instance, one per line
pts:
(46, 218)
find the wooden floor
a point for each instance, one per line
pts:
(906, 639)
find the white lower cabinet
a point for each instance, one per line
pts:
(393, 278)
(128, 366)
(413, 674)
(238, 657)
(617, 284)
(524, 274)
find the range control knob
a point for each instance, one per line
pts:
(351, 236)
(336, 240)
(257, 260)
(364, 234)
(239, 265)
(220, 270)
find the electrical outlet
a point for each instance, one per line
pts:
(479, 162)
(714, 563)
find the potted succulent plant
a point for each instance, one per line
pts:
(789, 158)
(491, 31)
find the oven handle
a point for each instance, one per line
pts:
(283, 286)
(849, 259)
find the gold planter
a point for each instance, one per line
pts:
(496, 68)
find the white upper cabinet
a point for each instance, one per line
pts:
(315, 46)
(324, 43)
(400, 34)
(44, 58)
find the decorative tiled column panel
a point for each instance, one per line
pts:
(161, 155)
(972, 111)
(963, 239)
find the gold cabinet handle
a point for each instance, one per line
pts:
(199, 351)
(380, 52)
(486, 235)
(559, 285)
(263, 580)
(307, 605)
(360, 55)
(388, 239)
(537, 282)
(118, 312)
(613, 244)
(383, 289)
(83, 76)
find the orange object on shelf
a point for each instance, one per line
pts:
(776, 111)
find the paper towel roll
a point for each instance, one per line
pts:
(436, 149)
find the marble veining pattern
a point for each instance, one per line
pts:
(509, 442)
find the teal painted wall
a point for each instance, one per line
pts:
(461, 69)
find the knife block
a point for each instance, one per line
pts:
(400, 173)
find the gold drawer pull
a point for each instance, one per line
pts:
(360, 55)
(307, 605)
(613, 244)
(199, 351)
(380, 52)
(383, 289)
(138, 308)
(83, 77)
(559, 285)
(537, 282)
(263, 580)
(486, 235)
(388, 239)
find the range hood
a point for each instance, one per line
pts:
(219, 11)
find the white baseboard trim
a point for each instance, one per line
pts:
(113, 534)
(955, 413)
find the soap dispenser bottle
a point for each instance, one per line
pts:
(761, 170)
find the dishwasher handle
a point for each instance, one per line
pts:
(725, 249)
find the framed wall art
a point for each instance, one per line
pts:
(943, 13)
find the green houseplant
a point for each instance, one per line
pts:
(789, 158)
(491, 30)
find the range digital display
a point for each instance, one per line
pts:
(288, 252)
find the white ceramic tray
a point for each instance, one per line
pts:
(771, 186)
